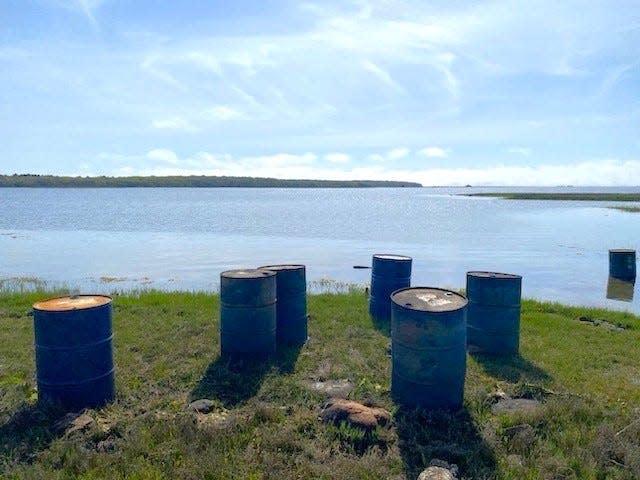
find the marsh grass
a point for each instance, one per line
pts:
(610, 197)
(265, 425)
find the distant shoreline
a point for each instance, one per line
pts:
(53, 181)
(602, 197)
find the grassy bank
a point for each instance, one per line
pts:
(265, 420)
(599, 197)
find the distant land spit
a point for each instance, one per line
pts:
(52, 181)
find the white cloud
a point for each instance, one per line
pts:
(337, 157)
(434, 152)
(303, 166)
(524, 151)
(174, 123)
(381, 75)
(398, 153)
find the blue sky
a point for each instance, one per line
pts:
(442, 92)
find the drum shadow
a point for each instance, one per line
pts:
(447, 435)
(234, 379)
(511, 368)
(30, 430)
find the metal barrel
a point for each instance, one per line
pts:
(291, 306)
(74, 353)
(493, 315)
(622, 263)
(248, 312)
(388, 274)
(620, 289)
(428, 347)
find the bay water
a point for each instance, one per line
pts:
(103, 240)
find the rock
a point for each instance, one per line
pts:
(204, 405)
(437, 473)
(512, 405)
(332, 388)
(452, 467)
(523, 429)
(497, 394)
(73, 422)
(354, 413)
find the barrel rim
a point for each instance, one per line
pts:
(283, 267)
(622, 250)
(40, 308)
(493, 275)
(262, 274)
(392, 256)
(435, 312)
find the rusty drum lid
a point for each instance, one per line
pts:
(74, 302)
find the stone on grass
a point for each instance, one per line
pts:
(355, 414)
(439, 470)
(204, 405)
(332, 388)
(74, 422)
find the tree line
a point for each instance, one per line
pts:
(53, 181)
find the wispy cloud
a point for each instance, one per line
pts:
(382, 75)
(174, 123)
(337, 157)
(222, 112)
(523, 151)
(434, 152)
(286, 165)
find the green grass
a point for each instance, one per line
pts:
(265, 424)
(609, 197)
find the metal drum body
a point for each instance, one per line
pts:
(389, 273)
(74, 353)
(247, 312)
(622, 263)
(493, 314)
(291, 305)
(428, 347)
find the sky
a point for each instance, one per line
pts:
(440, 92)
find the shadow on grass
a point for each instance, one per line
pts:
(235, 379)
(446, 435)
(29, 431)
(513, 369)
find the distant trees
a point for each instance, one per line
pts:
(34, 180)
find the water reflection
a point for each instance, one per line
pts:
(620, 289)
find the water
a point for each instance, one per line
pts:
(100, 240)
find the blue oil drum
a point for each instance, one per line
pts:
(622, 263)
(428, 347)
(291, 306)
(248, 312)
(74, 353)
(388, 274)
(493, 315)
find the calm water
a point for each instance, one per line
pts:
(100, 240)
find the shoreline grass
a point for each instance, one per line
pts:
(599, 197)
(265, 424)
(626, 209)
